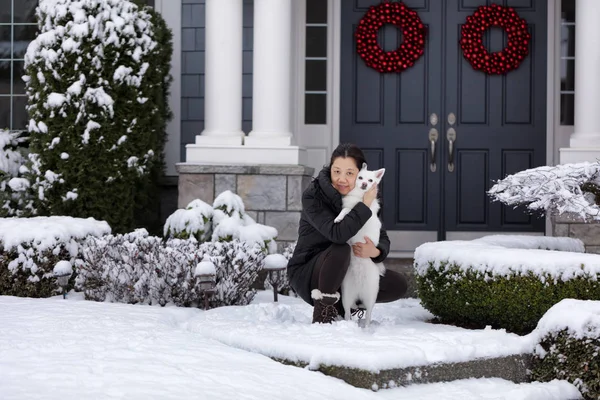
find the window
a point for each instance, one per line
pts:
(315, 82)
(17, 29)
(567, 62)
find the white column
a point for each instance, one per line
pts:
(223, 74)
(272, 66)
(585, 140)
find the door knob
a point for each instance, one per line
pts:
(451, 119)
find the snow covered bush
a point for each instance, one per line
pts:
(568, 337)
(15, 196)
(226, 220)
(193, 221)
(31, 247)
(95, 85)
(503, 281)
(568, 188)
(139, 268)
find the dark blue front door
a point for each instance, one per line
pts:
(496, 124)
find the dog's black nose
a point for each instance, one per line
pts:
(364, 186)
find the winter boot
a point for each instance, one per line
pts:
(325, 310)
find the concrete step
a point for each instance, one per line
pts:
(512, 368)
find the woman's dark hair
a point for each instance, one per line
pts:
(348, 150)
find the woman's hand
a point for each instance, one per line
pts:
(366, 250)
(370, 195)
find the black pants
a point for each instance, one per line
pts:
(332, 265)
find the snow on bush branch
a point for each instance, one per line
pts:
(567, 188)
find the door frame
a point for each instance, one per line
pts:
(403, 243)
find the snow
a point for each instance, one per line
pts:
(19, 184)
(286, 331)
(63, 268)
(56, 100)
(275, 261)
(493, 389)
(535, 242)
(229, 202)
(47, 232)
(581, 318)
(205, 267)
(496, 257)
(52, 349)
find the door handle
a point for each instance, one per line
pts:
(451, 136)
(433, 137)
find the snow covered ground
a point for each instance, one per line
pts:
(57, 349)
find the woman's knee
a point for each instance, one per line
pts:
(341, 252)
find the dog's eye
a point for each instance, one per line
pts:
(360, 177)
(370, 180)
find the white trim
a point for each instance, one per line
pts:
(552, 81)
(172, 16)
(552, 89)
(335, 23)
(298, 38)
(300, 72)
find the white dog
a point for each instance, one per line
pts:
(361, 283)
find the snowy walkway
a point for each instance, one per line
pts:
(401, 339)
(56, 349)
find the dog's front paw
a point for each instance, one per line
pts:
(338, 219)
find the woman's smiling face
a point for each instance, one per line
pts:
(343, 174)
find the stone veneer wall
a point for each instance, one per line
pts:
(573, 226)
(272, 194)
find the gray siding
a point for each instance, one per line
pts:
(192, 82)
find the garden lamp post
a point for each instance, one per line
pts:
(62, 272)
(206, 275)
(276, 265)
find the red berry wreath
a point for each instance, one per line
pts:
(410, 49)
(472, 39)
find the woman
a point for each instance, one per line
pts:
(322, 255)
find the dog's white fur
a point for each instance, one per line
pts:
(361, 282)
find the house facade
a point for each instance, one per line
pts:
(265, 89)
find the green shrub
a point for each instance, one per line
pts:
(31, 247)
(28, 282)
(484, 282)
(514, 302)
(571, 359)
(96, 88)
(567, 346)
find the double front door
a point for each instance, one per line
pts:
(444, 131)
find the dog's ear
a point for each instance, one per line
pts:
(379, 173)
(364, 166)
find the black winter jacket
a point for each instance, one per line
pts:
(321, 204)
